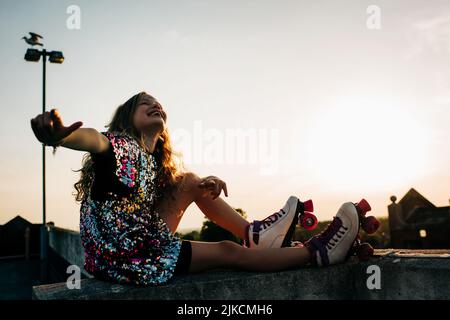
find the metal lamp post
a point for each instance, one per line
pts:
(33, 55)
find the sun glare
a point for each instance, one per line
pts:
(357, 143)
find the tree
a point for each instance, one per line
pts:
(193, 235)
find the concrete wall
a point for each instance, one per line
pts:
(67, 244)
(404, 274)
(17, 277)
(409, 278)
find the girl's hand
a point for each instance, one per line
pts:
(213, 186)
(49, 129)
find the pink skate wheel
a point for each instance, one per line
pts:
(364, 251)
(370, 224)
(308, 206)
(308, 221)
(363, 206)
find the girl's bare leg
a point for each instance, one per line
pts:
(224, 215)
(227, 254)
(171, 209)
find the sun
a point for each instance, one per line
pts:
(366, 143)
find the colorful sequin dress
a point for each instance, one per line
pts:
(124, 239)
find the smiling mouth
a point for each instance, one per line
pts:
(154, 113)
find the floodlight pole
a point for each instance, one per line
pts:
(44, 235)
(44, 207)
(55, 57)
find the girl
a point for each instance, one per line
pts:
(133, 196)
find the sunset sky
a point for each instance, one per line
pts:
(337, 111)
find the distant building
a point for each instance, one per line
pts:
(416, 223)
(19, 237)
(20, 266)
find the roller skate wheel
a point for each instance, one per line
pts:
(370, 224)
(364, 251)
(363, 206)
(308, 221)
(308, 206)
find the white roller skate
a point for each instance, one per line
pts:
(336, 243)
(276, 230)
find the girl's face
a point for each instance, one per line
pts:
(149, 115)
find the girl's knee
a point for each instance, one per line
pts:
(190, 184)
(189, 179)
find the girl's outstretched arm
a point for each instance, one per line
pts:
(49, 129)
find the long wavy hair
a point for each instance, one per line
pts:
(169, 164)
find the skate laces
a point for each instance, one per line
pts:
(331, 235)
(267, 222)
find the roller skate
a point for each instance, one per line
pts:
(362, 250)
(370, 224)
(277, 230)
(341, 238)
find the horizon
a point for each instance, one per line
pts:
(187, 230)
(299, 98)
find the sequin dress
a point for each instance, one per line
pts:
(125, 240)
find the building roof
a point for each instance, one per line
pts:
(413, 194)
(17, 221)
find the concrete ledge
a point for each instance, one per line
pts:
(404, 275)
(67, 244)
